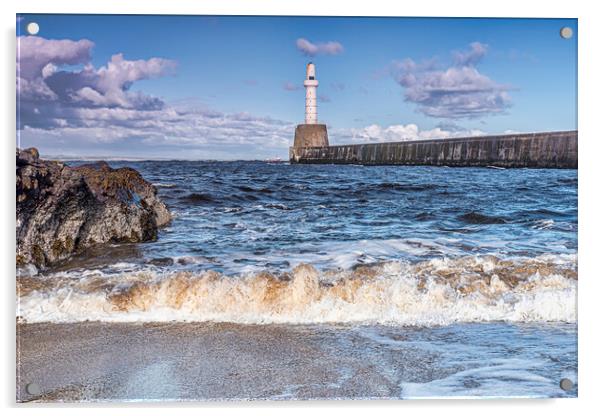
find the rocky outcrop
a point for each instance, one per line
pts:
(64, 210)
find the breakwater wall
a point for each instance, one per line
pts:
(531, 150)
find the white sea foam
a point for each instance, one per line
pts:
(486, 360)
(543, 224)
(488, 381)
(345, 255)
(164, 185)
(435, 292)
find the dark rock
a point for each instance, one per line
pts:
(162, 261)
(27, 156)
(62, 210)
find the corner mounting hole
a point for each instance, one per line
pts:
(566, 384)
(566, 32)
(33, 389)
(32, 28)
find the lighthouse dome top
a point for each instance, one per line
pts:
(311, 71)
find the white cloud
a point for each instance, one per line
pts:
(323, 98)
(471, 57)
(90, 108)
(319, 48)
(168, 131)
(459, 91)
(34, 53)
(338, 86)
(375, 133)
(289, 86)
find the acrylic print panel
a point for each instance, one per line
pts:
(228, 208)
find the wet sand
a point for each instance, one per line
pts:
(206, 361)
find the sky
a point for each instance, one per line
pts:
(231, 87)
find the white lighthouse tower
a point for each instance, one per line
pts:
(311, 102)
(309, 134)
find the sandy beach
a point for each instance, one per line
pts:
(98, 362)
(211, 361)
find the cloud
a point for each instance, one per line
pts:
(450, 126)
(399, 132)
(34, 53)
(471, 57)
(187, 130)
(321, 48)
(67, 103)
(337, 86)
(58, 93)
(323, 98)
(458, 91)
(289, 86)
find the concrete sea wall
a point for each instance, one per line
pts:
(311, 135)
(533, 150)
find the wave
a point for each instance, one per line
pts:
(544, 212)
(278, 206)
(543, 224)
(567, 181)
(195, 198)
(434, 292)
(403, 187)
(425, 216)
(164, 185)
(474, 217)
(250, 189)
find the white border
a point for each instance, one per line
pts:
(590, 176)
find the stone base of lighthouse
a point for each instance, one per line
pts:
(311, 135)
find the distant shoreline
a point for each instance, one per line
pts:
(132, 159)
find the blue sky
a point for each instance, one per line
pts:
(216, 86)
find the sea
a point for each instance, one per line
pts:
(476, 268)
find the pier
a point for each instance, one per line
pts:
(522, 150)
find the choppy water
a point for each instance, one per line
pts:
(235, 217)
(399, 246)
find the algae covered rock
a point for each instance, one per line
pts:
(64, 210)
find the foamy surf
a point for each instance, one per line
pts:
(434, 292)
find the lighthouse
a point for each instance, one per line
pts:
(310, 134)
(311, 85)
